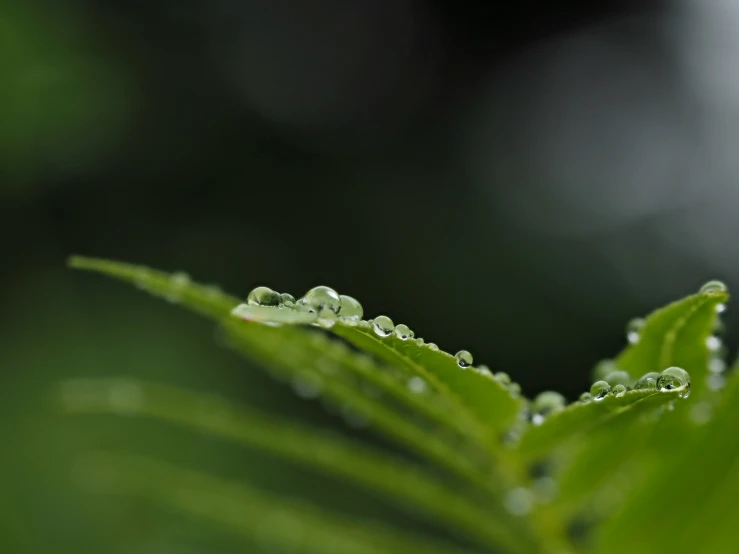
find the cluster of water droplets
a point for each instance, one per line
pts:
(617, 383)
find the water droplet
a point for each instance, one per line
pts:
(263, 296)
(364, 324)
(603, 368)
(287, 300)
(432, 346)
(715, 381)
(519, 501)
(125, 396)
(419, 342)
(720, 308)
(383, 326)
(713, 343)
(674, 378)
(633, 329)
(326, 318)
(545, 404)
(514, 389)
(464, 359)
(417, 384)
(586, 398)
(350, 308)
(619, 377)
(647, 381)
(482, 369)
(713, 287)
(600, 390)
(322, 298)
(619, 390)
(402, 331)
(503, 378)
(701, 413)
(716, 365)
(178, 282)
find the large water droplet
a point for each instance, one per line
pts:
(647, 381)
(674, 378)
(633, 329)
(322, 298)
(618, 377)
(713, 287)
(619, 390)
(350, 307)
(263, 296)
(464, 359)
(403, 332)
(383, 326)
(600, 390)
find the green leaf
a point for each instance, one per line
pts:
(676, 336)
(262, 519)
(578, 418)
(689, 496)
(487, 401)
(400, 482)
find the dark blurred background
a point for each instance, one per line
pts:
(516, 179)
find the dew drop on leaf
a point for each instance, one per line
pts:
(545, 404)
(603, 368)
(419, 342)
(464, 359)
(417, 384)
(306, 386)
(287, 300)
(647, 381)
(519, 501)
(326, 318)
(713, 343)
(618, 377)
(720, 308)
(713, 287)
(674, 378)
(402, 331)
(503, 378)
(619, 390)
(633, 330)
(716, 365)
(432, 346)
(586, 398)
(383, 326)
(350, 308)
(263, 296)
(715, 381)
(600, 390)
(322, 298)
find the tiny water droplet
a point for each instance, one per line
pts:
(417, 384)
(350, 307)
(713, 343)
(306, 386)
(402, 331)
(364, 324)
(720, 308)
(647, 381)
(713, 287)
(603, 368)
(383, 326)
(586, 398)
(322, 298)
(519, 501)
(514, 389)
(464, 359)
(263, 296)
(716, 365)
(633, 329)
(287, 300)
(600, 390)
(178, 282)
(432, 346)
(619, 390)
(547, 403)
(619, 377)
(503, 378)
(482, 369)
(326, 318)
(419, 342)
(674, 378)
(715, 381)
